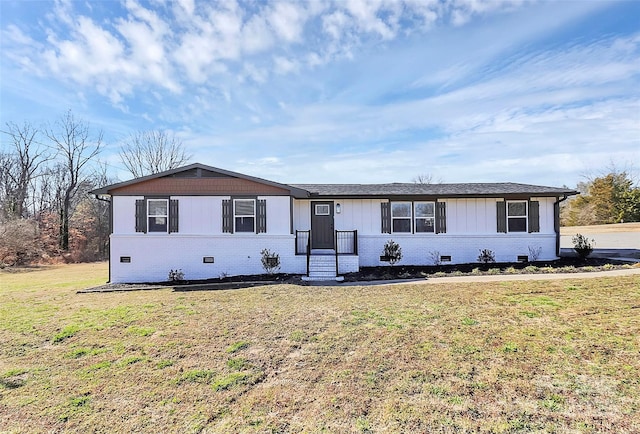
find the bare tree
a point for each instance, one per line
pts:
(28, 156)
(426, 178)
(76, 150)
(149, 152)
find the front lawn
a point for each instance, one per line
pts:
(554, 356)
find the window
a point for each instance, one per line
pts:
(323, 209)
(517, 216)
(157, 215)
(244, 213)
(401, 216)
(425, 216)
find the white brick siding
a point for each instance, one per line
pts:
(416, 249)
(152, 256)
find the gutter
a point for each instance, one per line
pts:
(556, 208)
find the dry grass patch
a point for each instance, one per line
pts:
(601, 229)
(554, 356)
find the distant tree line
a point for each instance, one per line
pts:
(613, 197)
(46, 173)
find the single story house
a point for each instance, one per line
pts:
(211, 222)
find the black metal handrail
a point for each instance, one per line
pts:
(346, 242)
(303, 239)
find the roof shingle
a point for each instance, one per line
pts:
(450, 190)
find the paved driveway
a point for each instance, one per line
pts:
(611, 240)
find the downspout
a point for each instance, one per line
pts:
(97, 196)
(556, 221)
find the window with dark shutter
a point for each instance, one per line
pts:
(261, 216)
(385, 210)
(227, 216)
(141, 216)
(173, 215)
(441, 217)
(501, 208)
(534, 216)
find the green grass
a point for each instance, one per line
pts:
(504, 357)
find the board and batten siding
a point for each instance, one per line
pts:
(362, 215)
(463, 216)
(200, 215)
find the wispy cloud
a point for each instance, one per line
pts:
(353, 91)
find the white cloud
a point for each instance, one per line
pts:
(285, 66)
(287, 20)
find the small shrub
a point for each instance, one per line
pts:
(486, 256)
(270, 261)
(493, 271)
(582, 245)
(511, 270)
(534, 253)
(434, 257)
(176, 275)
(608, 267)
(392, 251)
(476, 271)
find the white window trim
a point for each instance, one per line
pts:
(166, 216)
(525, 216)
(409, 217)
(235, 229)
(416, 218)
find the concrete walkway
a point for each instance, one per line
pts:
(492, 278)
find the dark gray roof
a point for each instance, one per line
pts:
(502, 189)
(441, 190)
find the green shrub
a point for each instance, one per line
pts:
(270, 261)
(582, 245)
(486, 256)
(392, 251)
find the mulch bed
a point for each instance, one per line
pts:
(398, 272)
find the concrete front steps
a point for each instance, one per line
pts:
(322, 268)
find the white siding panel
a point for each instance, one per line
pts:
(301, 215)
(199, 214)
(546, 214)
(278, 214)
(124, 214)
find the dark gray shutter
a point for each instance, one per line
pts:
(227, 216)
(173, 215)
(441, 217)
(141, 216)
(534, 216)
(385, 214)
(261, 216)
(501, 208)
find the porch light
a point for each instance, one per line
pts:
(338, 208)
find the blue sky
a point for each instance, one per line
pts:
(350, 91)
